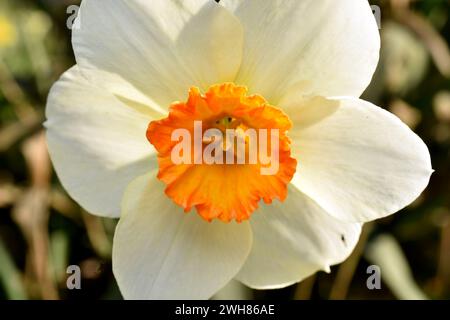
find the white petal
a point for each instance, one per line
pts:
(211, 43)
(162, 47)
(160, 252)
(97, 142)
(356, 160)
(294, 239)
(325, 47)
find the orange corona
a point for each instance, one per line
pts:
(223, 191)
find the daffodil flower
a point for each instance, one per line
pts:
(8, 33)
(146, 68)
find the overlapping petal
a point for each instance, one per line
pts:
(324, 47)
(356, 160)
(294, 239)
(162, 253)
(97, 140)
(161, 47)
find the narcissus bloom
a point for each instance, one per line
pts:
(8, 34)
(147, 68)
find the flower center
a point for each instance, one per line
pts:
(222, 152)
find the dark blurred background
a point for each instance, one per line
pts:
(42, 231)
